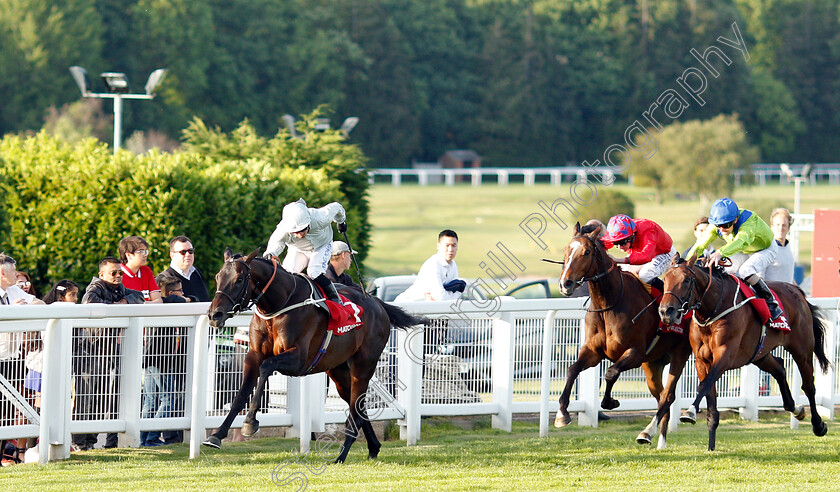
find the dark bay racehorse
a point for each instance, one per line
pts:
(725, 334)
(617, 298)
(287, 333)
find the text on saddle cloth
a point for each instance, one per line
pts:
(760, 305)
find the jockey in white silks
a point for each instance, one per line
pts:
(308, 234)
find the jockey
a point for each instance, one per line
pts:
(749, 244)
(308, 234)
(650, 248)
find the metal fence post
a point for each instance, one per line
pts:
(545, 375)
(54, 434)
(198, 412)
(749, 392)
(410, 369)
(132, 377)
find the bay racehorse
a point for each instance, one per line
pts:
(622, 326)
(288, 333)
(726, 334)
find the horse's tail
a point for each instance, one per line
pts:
(400, 318)
(819, 338)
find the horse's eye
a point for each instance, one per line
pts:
(586, 253)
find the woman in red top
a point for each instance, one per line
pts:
(650, 249)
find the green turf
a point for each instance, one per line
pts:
(767, 455)
(407, 219)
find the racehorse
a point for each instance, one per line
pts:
(724, 335)
(288, 333)
(622, 326)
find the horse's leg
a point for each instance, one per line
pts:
(360, 374)
(709, 373)
(630, 359)
(653, 376)
(775, 367)
(251, 425)
(341, 376)
(713, 417)
(805, 363)
(663, 413)
(587, 358)
(250, 370)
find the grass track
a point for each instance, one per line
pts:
(751, 456)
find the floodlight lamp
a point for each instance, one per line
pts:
(322, 124)
(348, 126)
(786, 170)
(806, 171)
(116, 82)
(155, 78)
(82, 80)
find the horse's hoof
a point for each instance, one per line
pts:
(249, 429)
(643, 438)
(821, 429)
(372, 455)
(688, 418)
(562, 420)
(340, 459)
(610, 404)
(213, 442)
(799, 412)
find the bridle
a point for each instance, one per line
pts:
(238, 302)
(686, 305)
(598, 276)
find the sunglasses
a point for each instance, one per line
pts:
(24, 284)
(185, 252)
(624, 241)
(116, 273)
(144, 252)
(727, 225)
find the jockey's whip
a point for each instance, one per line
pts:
(358, 270)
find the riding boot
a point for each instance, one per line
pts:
(657, 283)
(764, 292)
(329, 288)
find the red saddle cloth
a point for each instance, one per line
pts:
(343, 319)
(679, 329)
(760, 306)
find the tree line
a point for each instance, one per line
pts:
(523, 82)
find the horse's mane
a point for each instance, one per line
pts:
(717, 271)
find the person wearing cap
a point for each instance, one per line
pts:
(308, 234)
(649, 248)
(340, 263)
(750, 246)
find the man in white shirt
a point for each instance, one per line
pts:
(435, 280)
(11, 294)
(781, 270)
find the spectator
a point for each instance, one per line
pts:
(602, 229)
(700, 227)
(438, 277)
(12, 363)
(161, 348)
(63, 291)
(102, 345)
(781, 270)
(182, 253)
(340, 263)
(107, 288)
(25, 283)
(134, 252)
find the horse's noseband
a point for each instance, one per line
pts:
(685, 304)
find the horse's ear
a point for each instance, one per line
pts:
(228, 254)
(693, 259)
(676, 259)
(577, 228)
(252, 255)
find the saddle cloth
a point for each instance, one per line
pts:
(343, 319)
(760, 306)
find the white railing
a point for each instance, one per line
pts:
(501, 358)
(478, 175)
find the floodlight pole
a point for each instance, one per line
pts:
(118, 109)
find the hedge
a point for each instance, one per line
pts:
(65, 207)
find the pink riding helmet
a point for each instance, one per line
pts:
(620, 227)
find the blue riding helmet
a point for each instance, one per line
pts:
(724, 210)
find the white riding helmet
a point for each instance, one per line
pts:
(295, 216)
